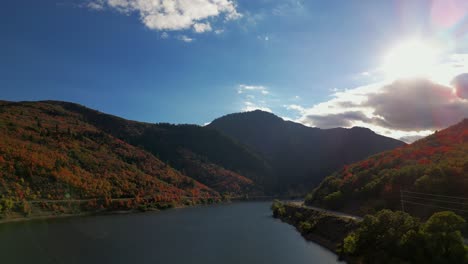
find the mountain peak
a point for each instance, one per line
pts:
(250, 117)
(364, 129)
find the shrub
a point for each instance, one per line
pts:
(305, 227)
(26, 208)
(8, 204)
(350, 243)
(298, 215)
(278, 209)
(334, 200)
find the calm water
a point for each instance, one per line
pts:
(236, 233)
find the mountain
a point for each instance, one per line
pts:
(299, 155)
(50, 153)
(428, 173)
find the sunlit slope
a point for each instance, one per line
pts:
(47, 152)
(198, 152)
(436, 166)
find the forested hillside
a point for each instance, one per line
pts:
(425, 174)
(48, 153)
(201, 153)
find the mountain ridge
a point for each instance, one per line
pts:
(272, 136)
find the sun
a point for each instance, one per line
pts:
(412, 58)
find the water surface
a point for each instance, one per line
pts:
(235, 233)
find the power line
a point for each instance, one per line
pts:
(435, 206)
(445, 196)
(432, 200)
(408, 197)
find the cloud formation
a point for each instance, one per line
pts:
(405, 109)
(171, 15)
(202, 27)
(417, 105)
(295, 107)
(460, 83)
(254, 97)
(164, 35)
(243, 88)
(185, 38)
(250, 106)
(344, 119)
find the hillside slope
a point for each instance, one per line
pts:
(301, 156)
(218, 158)
(426, 172)
(48, 153)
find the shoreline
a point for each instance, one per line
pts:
(7, 220)
(81, 214)
(59, 216)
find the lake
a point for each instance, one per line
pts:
(232, 233)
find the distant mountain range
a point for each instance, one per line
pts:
(60, 150)
(427, 175)
(301, 156)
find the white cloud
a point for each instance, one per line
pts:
(243, 88)
(172, 14)
(250, 106)
(263, 37)
(366, 73)
(219, 31)
(185, 38)
(289, 8)
(202, 27)
(295, 107)
(254, 97)
(164, 35)
(95, 5)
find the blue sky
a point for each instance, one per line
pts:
(285, 56)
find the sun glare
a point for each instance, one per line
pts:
(410, 59)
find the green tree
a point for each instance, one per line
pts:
(443, 238)
(396, 237)
(377, 238)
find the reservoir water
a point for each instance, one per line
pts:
(233, 233)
